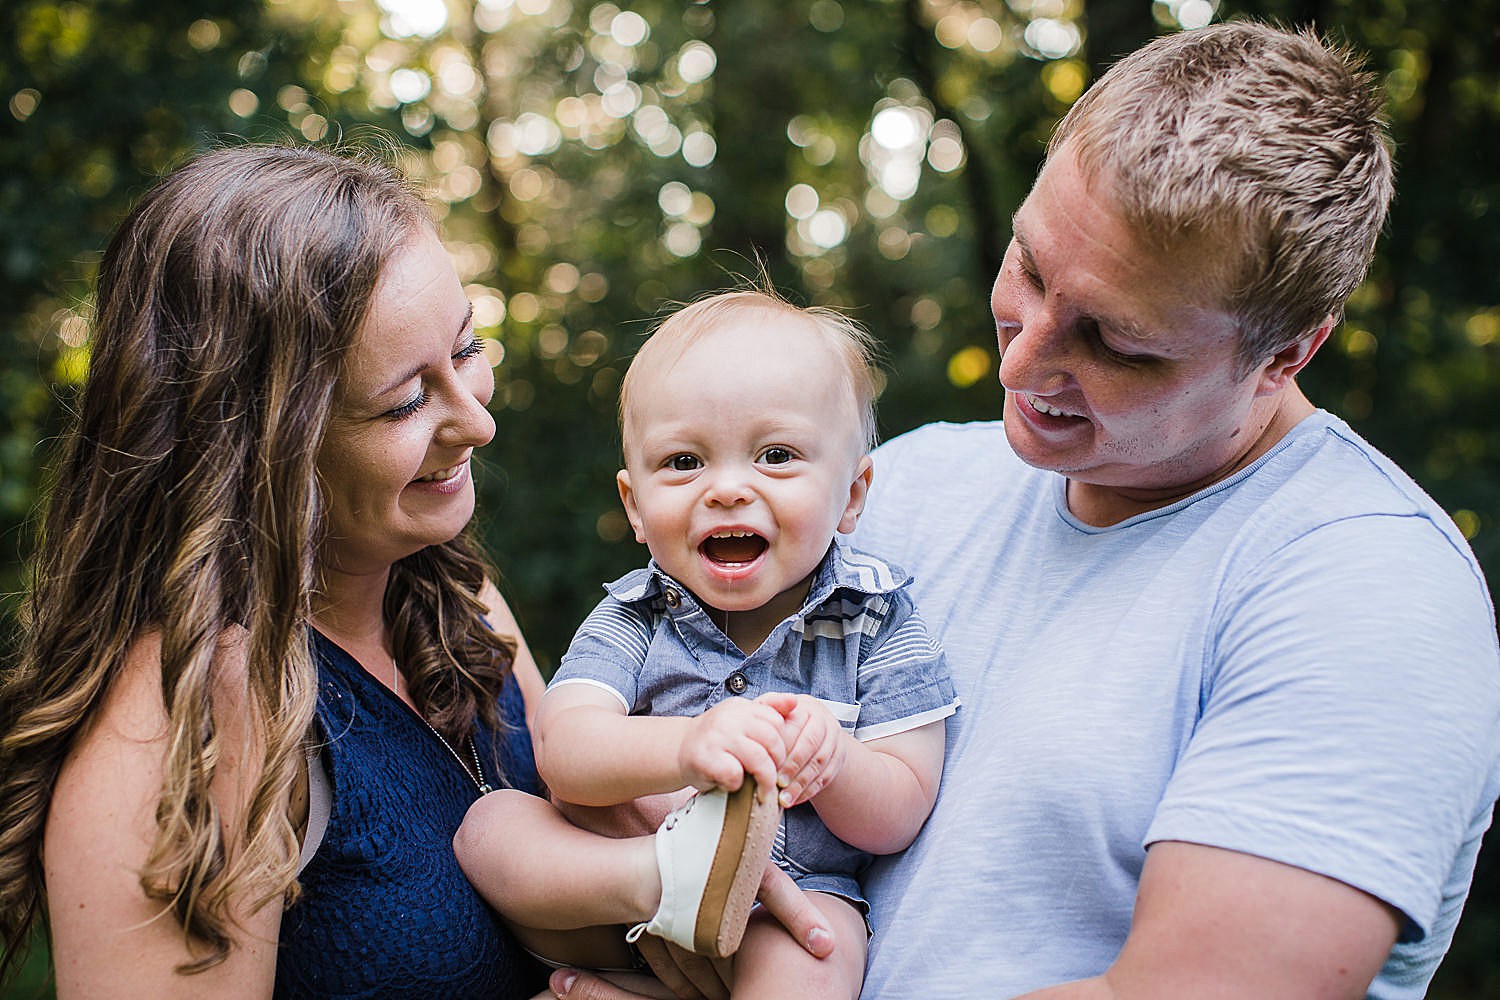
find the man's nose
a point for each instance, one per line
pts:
(1034, 353)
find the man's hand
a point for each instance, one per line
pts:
(693, 977)
(637, 818)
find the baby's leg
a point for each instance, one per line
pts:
(545, 874)
(771, 964)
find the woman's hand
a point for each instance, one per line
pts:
(593, 986)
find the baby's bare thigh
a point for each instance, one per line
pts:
(771, 964)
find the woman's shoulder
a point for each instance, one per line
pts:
(524, 668)
(131, 722)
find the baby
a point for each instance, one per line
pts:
(755, 659)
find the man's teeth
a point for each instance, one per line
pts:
(442, 475)
(1042, 407)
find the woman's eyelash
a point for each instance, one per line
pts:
(469, 350)
(407, 409)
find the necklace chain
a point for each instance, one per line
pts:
(476, 775)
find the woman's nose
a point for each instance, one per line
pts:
(468, 422)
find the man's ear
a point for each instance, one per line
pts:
(1284, 365)
(627, 500)
(859, 491)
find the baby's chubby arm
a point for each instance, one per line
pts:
(872, 795)
(590, 752)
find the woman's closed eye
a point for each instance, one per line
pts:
(409, 408)
(473, 347)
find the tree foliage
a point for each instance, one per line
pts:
(593, 161)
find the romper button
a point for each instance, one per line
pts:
(673, 598)
(737, 683)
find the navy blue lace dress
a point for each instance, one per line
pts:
(385, 910)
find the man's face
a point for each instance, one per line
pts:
(1119, 372)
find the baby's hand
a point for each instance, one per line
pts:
(816, 747)
(734, 738)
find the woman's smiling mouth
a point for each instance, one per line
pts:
(442, 475)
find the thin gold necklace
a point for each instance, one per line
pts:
(476, 775)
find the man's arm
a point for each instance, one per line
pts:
(1211, 922)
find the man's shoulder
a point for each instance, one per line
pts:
(1331, 473)
(942, 434)
(939, 453)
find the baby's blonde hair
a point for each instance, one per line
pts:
(855, 345)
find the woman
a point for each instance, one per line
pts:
(265, 672)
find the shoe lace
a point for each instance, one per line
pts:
(680, 812)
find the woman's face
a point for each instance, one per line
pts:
(395, 462)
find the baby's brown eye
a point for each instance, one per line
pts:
(776, 456)
(683, 463)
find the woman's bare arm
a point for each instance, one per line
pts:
(108, 939)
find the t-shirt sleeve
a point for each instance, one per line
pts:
(1350, 712)
(608, 651)
(903, 680)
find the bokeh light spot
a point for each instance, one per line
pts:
(968, 366)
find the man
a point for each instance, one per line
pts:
(1229, 677)
(1230, 680)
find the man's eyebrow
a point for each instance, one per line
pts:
(1020, 237)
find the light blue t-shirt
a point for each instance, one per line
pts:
(1298, 662)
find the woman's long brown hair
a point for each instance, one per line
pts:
(186, 501)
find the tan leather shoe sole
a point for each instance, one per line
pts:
(734, 877)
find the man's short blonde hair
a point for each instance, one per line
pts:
(1261, 151)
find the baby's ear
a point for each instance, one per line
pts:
(627, 499)
(859, 490)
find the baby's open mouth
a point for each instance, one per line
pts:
(733, 547)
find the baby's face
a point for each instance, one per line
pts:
(743, 456)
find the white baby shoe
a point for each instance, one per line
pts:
(711, 852)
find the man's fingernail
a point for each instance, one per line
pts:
(563, 981)
(819, 941)
(786, 800)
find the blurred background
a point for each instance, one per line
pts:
(593, 162)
